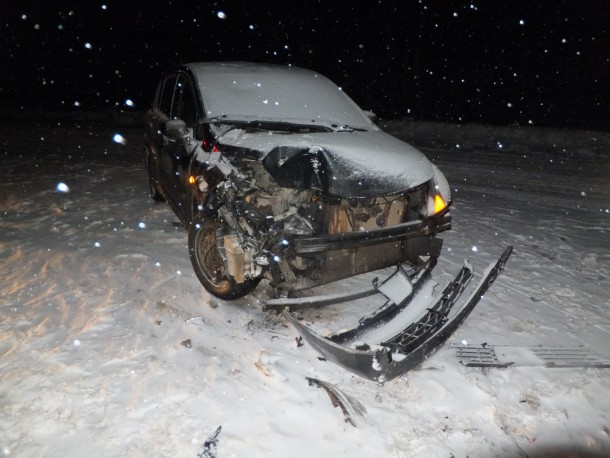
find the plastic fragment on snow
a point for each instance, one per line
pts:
(195, 320)
(209, 446)
(396, 288)
(351, 407)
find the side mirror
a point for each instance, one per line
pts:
(372, 116)
(176, 129)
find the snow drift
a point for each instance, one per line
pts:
(110, 347)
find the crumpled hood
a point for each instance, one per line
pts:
(342, 164)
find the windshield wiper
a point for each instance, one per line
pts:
(346, 128)
(288, 126)
(271, 124)
(284, 125)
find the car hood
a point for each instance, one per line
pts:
(347, 164)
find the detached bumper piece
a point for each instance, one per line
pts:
(503, 356)
(410, 326)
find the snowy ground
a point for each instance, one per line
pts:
(98, 301)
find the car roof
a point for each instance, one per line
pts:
(248, 91)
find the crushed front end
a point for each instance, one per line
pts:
(286, 221)
(300, 237)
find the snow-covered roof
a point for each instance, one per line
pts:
(245, 90)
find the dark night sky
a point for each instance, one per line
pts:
(544, 63)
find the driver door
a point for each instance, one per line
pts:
(178, 152)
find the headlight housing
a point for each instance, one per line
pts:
(439, 193)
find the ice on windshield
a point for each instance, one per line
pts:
(242, 91)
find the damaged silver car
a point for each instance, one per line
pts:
(278, 174)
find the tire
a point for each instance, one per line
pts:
(208, 264)
(153, 176)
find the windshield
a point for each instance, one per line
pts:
(246, 91)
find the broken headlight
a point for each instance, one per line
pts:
(439, 193)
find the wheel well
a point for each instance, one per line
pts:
(197, 200)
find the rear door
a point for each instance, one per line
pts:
(159, 117)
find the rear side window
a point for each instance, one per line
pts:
(158, 94)
(167, 95)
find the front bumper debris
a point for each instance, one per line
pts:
(408, 327)
(398, 232)
(352, 409)
(503, 356)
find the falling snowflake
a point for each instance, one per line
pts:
(221, 15)
(118, 138)
(62, 187)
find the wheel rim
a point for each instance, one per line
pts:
(209, 258)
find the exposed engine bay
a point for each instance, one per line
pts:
(265, 224)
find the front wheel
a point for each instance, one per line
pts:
(207, 262)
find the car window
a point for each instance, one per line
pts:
(167, 94)
(184, 106)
